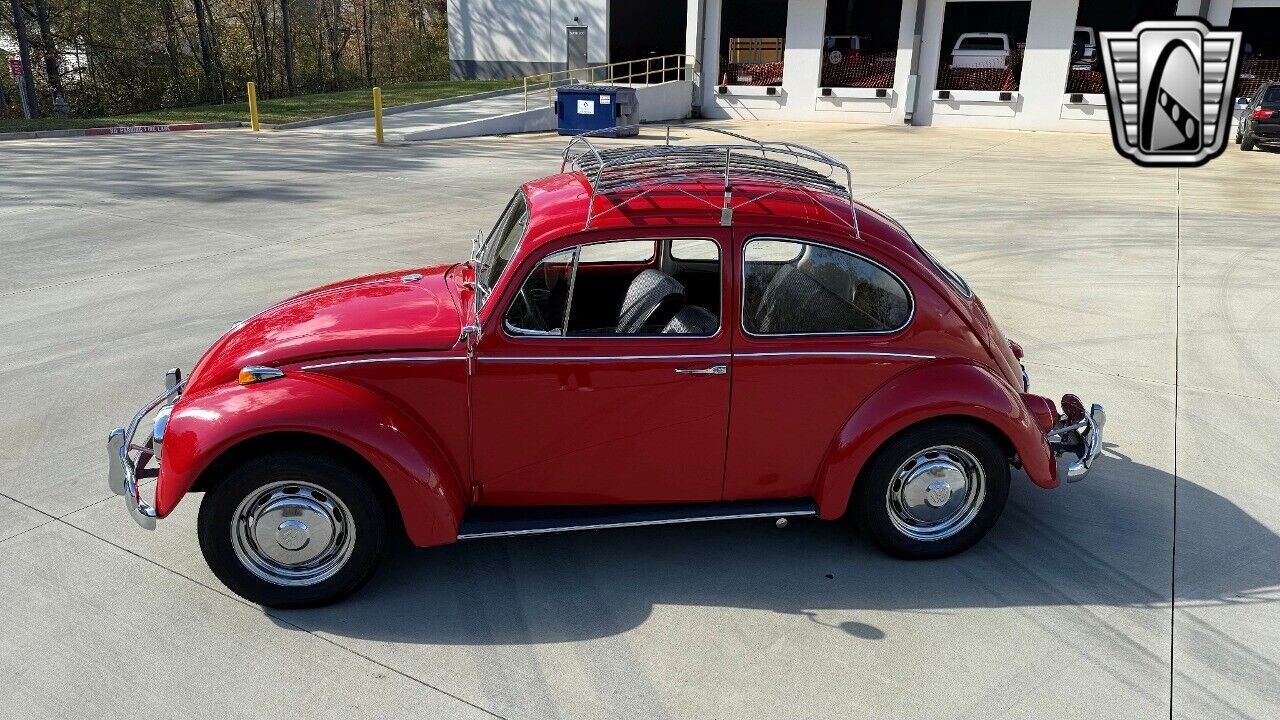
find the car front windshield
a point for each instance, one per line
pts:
(500, 246)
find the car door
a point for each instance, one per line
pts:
(569, 409)
(819, 330)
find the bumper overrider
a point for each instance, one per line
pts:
(128, 462)
(1076, 440)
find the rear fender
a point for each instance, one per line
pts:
(203, 427)
(930, 392)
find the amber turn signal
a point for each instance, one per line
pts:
(258, 373)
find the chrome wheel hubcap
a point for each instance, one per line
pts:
(293, 534)
(936, 493)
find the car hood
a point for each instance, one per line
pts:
(399, 311)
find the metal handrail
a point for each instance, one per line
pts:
(686, 65)
(649, 167)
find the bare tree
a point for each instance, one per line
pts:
(115, 57)
(211, 88)
(286, 40)
(170, 19)
(48, 48)
(367, 36)
(32, 108)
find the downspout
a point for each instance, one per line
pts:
(913, 79)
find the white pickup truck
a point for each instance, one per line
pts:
(980, 50)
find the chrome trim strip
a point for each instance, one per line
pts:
(592, 358)
(699, 356)
(637, 523)
(837, 353)
(365, 361)
(742, 296)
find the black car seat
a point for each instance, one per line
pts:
(692, 320)
(653, 298)
(808, 295)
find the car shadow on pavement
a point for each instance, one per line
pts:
(1105, 542)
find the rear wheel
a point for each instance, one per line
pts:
(292, 529)
(934, 491)
(1248, 141)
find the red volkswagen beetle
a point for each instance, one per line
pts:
(658, 334)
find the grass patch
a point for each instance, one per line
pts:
(276, 111)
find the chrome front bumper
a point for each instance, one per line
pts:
(127, 461)
(1077, 440)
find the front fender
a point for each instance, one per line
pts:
(925, 393)
(204, 426)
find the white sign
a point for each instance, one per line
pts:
(586, 107)
(604, 100)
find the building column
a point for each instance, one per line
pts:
(710, 56)
(694, 40)
(802, 56)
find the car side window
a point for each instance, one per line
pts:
(620, 288)
(539, 306)
(798, 288)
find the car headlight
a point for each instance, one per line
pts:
(158, 426)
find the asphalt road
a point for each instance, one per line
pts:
(1152, 587)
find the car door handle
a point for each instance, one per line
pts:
(713, 370)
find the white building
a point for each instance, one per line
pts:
(863, 61)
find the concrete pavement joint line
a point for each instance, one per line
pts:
(943, 166)
(53, 519)
(62, 519)
(379, 663)
(153, 221)
(24, 532)
(1037, 363)
(263, 243)
(1177, 344)
(1197, 388)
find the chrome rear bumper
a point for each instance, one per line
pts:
(1077, 441)
(127, 461)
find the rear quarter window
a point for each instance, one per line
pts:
(797, 288)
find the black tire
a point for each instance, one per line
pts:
(1248, 142)
(872, 504)
(1239, 135)
(317, 478)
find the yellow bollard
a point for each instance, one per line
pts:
(377, 113)
(253, 106)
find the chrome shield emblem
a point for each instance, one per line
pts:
(1169, 86)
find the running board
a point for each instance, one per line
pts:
(485, 522)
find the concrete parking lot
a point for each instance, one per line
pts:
(1151, 589)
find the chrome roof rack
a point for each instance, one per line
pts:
(646, 168)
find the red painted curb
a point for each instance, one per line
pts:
(132, 129)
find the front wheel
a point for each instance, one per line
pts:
(292, 529)
(934, 491)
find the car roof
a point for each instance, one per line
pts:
(558, 206)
